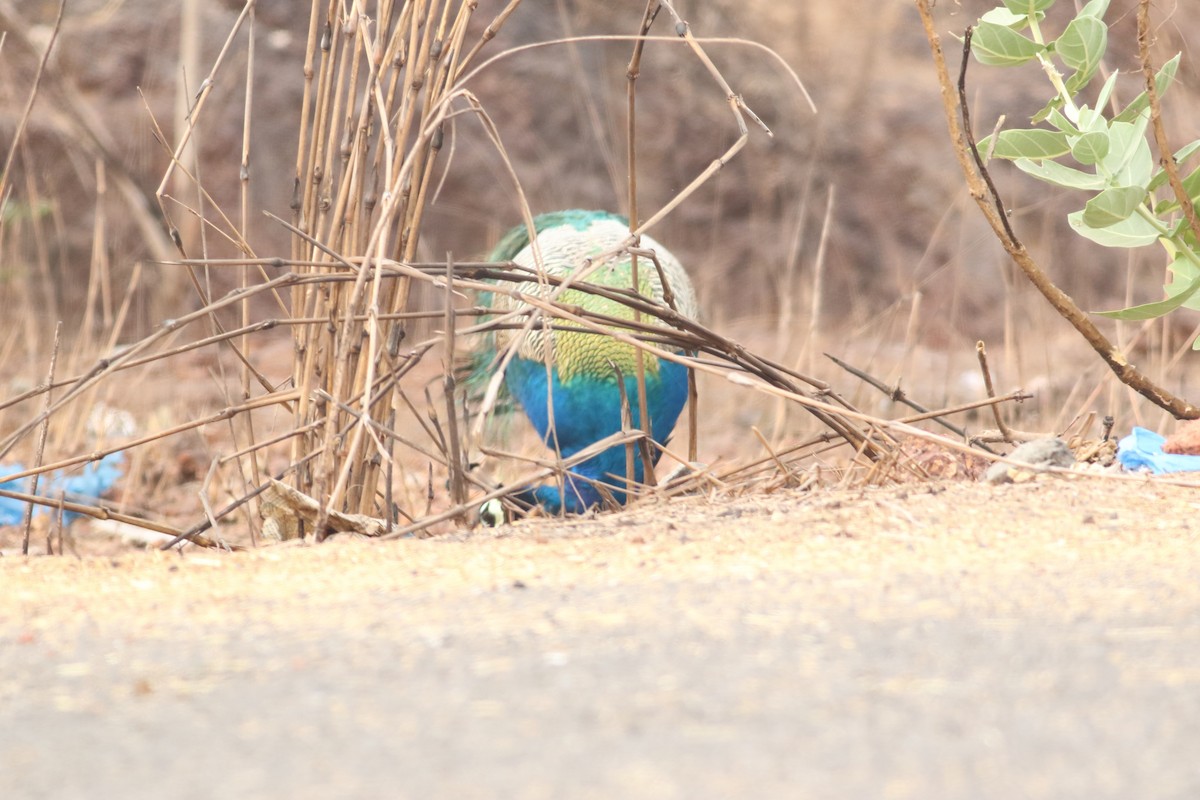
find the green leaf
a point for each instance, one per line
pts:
(1054, 105)
(1187, 151)
(1092, 120)
(1132, 232)
(1160, 176)
(1129, 159)
(998, 46)
(1183, 274)
(1027, 7)
(1180, 291)
(1078, 80)
(1002, 16)
(1096, 9)
(1107, 90)
(1183, 234)
(1081, 47)
(1082, 44)
(1060, 121)
(1112, 206)
(1161, 82)
(1055, 173)
(1090, 148)
(1139, 168)
(1034, 143)
(1191, 185)
(1152, 310)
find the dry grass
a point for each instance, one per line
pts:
(879, 264)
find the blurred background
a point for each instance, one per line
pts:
(849, 231)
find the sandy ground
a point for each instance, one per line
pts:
(940, 641)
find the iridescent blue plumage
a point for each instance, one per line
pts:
(582, 377)
(586, 410)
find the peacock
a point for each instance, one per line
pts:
(582, 385)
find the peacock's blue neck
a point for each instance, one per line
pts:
(587, 409)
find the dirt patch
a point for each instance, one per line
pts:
(932, 527)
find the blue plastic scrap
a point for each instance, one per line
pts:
(1143, 449)
(85, 487)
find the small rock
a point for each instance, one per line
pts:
(1037, 454)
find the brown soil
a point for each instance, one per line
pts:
(935, 527)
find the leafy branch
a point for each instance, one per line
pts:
(1113, 153)
(1110, 149)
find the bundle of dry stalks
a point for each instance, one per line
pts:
(384, 97)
